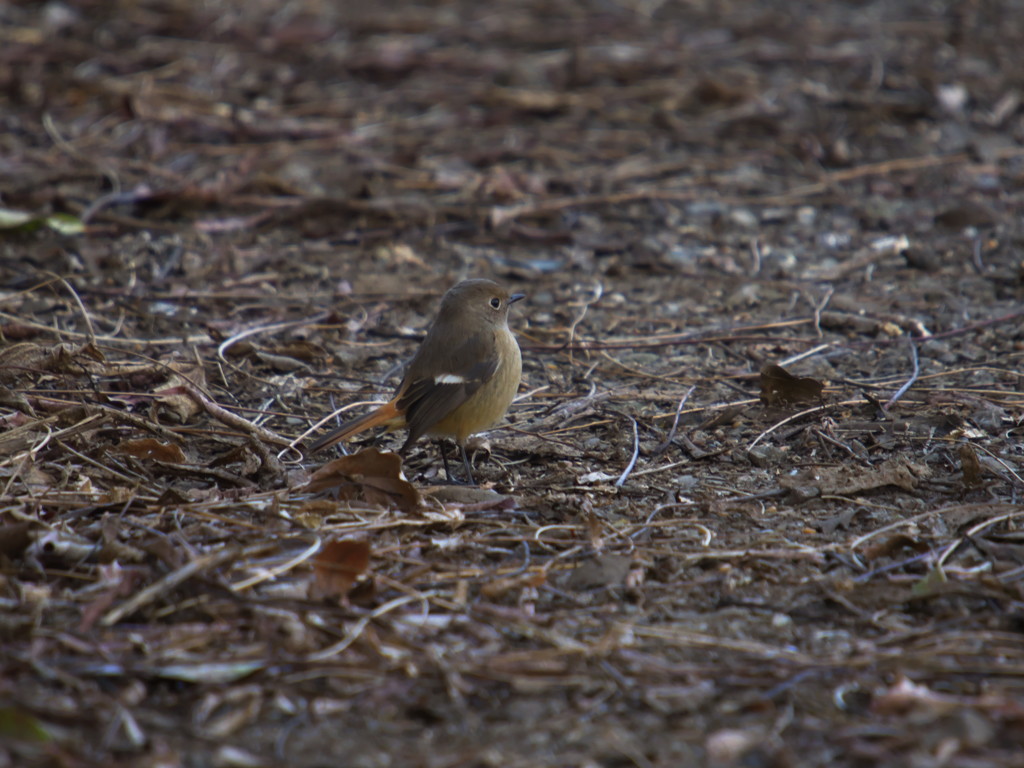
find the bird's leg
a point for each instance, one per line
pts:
(467, 465)
(444, 459)
(449, 477)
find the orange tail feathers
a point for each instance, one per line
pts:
(387, 414)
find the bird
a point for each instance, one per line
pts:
(462, 378)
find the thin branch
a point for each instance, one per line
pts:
(675, 423)
(910, 382)
(632, 461)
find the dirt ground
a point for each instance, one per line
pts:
(759, 502)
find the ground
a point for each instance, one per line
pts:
(758, 502)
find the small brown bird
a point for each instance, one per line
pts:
(462, 379)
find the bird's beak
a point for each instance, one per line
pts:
(516, 297)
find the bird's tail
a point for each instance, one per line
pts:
(387, 414)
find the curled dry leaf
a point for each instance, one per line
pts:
(19, 359)
(370, 476)
(337, 567)
(173, 395)
(779, 386)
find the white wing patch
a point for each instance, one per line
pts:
(449, 378)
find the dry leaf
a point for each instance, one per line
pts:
(281, 363)
(150, 448)
(906, 696)
(15, 538)
(21, 359)
(531, 579)
(469, 499)
(848, 480)
(302, 350)
(371, 476)
(593, 526)
(779, 386)
(175, 397)
(970, 465)
(337, 567)
(893, 544)
(603, 571)
(968, 214)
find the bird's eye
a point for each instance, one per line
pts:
(495, 302)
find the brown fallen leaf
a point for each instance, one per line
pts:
(15, 538)
(891, 545)
(779, 386)
(844, 480)
(371, 476)
(602, 571)
(970, 465)
(337, 567)
(469, 499)
(302, 350)
(150, 448)
(968, 214)
(173, 396)
(495, 589)
(17, 360)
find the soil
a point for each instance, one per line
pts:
(758, 503)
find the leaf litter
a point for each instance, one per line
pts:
(758, 502)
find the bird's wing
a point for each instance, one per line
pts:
(452, 375)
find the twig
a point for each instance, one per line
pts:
(598, 293)
(819, 308)
(167, 583)
(1000, 461)
(502, 214)
(860, 540)
(632, 461)
(571, 408)
(675, 423)
(838, 444)
(974, 531)
(1008, 317)
(910, 382)
(225, 345)
(755, 253)
(807, 353)
(353, 634)
(109, 173)
(801, 414)
(976, 260)
(273, 573)
(682, 636)
(90, 331)
(20, 320)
